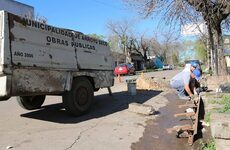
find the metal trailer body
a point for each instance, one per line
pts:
(17, 8)
(40, 59)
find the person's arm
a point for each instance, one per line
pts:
(187, 89)
(186, 79)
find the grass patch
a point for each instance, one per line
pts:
(210, 145)
(217, 100)
(207, 117)
(225, 101)
(150, 70)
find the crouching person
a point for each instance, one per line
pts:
(185, 83)
(194, 83)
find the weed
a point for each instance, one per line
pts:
(225, 101)
(207, 117)
(210, 145)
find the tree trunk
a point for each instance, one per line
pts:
(128, 57)
(164, 57)
(220, 61)
(212, 50)
(145, 55)
(208, 55)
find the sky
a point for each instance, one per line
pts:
(88, 16)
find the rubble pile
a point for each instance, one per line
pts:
(146, 83)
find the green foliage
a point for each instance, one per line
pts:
(216, 101)
(175, 59)
(206, 70)
(150, 70)
(201, 52)
(225, 101)
(207, 117)
(210, 145)
(96, 36)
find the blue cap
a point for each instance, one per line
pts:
(197, 74)
(194, 64)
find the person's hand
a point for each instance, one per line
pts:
(194, 97)
(191, 97)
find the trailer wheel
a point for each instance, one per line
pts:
(79, 100)
(31, 102)
(4, 98)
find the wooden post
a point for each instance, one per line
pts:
(119, 78)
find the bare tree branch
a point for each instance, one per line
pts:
(213, 12)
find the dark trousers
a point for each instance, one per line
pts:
(193, 83)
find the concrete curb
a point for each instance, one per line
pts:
(141, 109)
(219, 125)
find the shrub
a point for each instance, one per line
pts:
(210, 145)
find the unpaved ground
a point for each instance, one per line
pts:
(109, 125)
(156, 136)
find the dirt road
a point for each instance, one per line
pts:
(156, 137)
(108, 126)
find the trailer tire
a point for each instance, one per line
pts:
(4, 98)
(31, 102)
(79, 100)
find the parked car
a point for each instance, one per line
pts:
(125, 68)
(167, 67)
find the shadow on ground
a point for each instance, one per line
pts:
(103, 105)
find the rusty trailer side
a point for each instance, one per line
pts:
(37, 58)
(189, 130)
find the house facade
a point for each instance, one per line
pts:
(226, 43)
(136, 59)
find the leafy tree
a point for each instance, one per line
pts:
(121, 30)
(175, 59)
(96, 36)
(201, 52)
(213, 12)
(163, 45)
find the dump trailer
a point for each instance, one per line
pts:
(37, 59)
